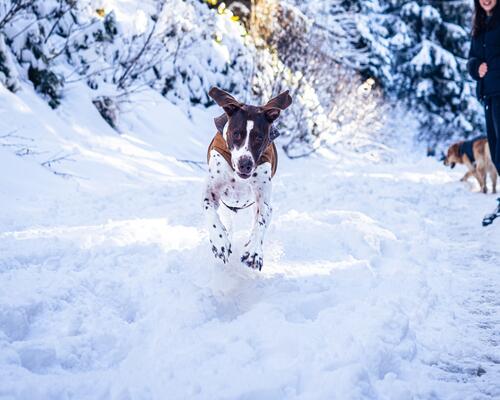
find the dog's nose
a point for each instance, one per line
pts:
(245, 165)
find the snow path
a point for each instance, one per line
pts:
(378, 283)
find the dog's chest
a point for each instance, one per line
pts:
(237, 193)
(232, 190)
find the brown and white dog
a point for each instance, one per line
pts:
(475, 155)
(242, 159)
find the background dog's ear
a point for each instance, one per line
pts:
(225, 100)
(455, 149)
(281, 101)
(220, 122)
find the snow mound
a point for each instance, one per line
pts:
(379, 281)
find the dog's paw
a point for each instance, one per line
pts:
(222, 253)
(253, 258)
(221, 248)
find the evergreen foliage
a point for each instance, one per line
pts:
(417, 51)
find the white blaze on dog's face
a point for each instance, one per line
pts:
(246, 128)
(247, 137)
(241, 157)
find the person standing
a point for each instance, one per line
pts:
(484, 67)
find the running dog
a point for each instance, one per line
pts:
(475, 155)
(242, 160)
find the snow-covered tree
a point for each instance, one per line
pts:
(423, 48)
(431, 71)
(416, 50)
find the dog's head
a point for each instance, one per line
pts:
(247, 129)
(453, 156)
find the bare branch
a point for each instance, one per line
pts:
(57, 159)
(198, 164)
(56, 23)
(133, 62)
(14, 10)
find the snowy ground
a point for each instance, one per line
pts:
(379, 281)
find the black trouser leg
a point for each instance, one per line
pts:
(492, 112)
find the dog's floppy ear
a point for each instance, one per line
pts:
(277, 104)
(225, 100)
(220, 122)
(455, 149)
(281, 101)
(272, 114)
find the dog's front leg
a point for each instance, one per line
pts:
(481, 177)
(221, 247)
(262, 188)
(467, 175)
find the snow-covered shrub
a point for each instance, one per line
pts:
(181, 49)
(203, 48)
(108, 109)
(47, 83)
(8, 71)
(42, 37)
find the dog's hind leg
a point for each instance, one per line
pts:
(493, 175)
(467, 176)
(477, 171)
(481, 177)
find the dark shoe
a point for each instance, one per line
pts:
(488, 219)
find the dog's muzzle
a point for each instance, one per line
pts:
(245, 167)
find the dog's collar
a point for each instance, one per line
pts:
(236, 209)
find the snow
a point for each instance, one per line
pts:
(430, 54)
(430, 15)
(378, 280)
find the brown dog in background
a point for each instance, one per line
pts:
(475, 155)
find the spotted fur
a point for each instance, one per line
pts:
(242, 179)
(226, 188)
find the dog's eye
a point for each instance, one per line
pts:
(237, 135)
